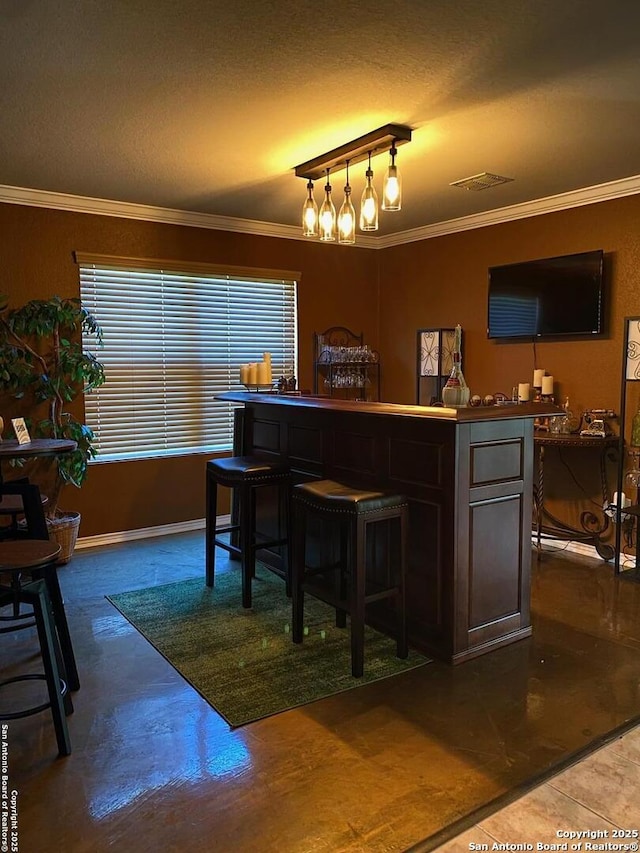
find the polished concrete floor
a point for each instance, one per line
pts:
(426, 755)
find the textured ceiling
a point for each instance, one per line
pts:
(207, 105)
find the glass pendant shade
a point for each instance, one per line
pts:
(347, 219)
(310, 214)
(392, 186)
(327, 216)
(369, 204)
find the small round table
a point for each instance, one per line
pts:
(12, 449)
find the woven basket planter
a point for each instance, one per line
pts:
(63, 529)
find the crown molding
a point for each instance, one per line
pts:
(550, 204)
(169, 216)
(148, 213)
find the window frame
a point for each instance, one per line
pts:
(216, 353)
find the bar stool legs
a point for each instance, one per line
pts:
(246, 475)
(28, 575)
(50, 577)
(355, 511)
(35, 594)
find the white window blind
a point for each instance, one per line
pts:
(173, 339)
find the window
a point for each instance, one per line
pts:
(174, 337)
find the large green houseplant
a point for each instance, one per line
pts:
(43, 365)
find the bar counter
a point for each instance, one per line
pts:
(468, 475)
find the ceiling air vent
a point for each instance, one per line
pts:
(483, 181)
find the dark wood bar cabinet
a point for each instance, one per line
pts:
(468, 474)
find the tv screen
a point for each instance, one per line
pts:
(547, 297)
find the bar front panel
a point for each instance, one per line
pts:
(466, 593)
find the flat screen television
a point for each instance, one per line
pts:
(550, 297)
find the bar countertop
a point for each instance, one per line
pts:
(463, 415)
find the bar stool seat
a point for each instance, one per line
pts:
(246, 474)
(25, 570)
(12, 507)
(356, 510)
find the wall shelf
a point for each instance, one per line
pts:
(344, 366)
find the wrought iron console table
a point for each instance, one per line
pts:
(594, 526)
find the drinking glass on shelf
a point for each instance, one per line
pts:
(632, 479)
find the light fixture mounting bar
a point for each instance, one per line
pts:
(353, 152)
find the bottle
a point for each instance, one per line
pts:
(455, 393)
(566, 425)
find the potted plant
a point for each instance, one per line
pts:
(42, 364)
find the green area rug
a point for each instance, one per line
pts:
(243, 662)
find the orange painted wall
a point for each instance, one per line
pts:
(443, 281)
(388, 294)
(338, 287)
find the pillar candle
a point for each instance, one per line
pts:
(523, 392)
(263, 372)
(547, 384)
(253, 373)
(538, 376)
(267, 360)
(244, 374)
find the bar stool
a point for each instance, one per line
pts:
(22, 504)
(355, 510)
(27, 565)
(20, 498)
(246, 474)
(12, 508)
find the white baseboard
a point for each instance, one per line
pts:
(199, 524)
(146, 532)
(563, 545)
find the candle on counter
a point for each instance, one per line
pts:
(547, 384)
(244, 374)
(252, 374)
(538, 376)
(263, 373)
(267, 360)
(523, 392)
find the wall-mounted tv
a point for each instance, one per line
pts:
(550, 297)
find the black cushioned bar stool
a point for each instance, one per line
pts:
(355, 510)
(245, 474)
(12, 508)
(23, 568)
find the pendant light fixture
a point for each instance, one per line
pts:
(331, 227)
(347, 216)
(327, 215)
(392, 186)
(310, 214)
(369, 203)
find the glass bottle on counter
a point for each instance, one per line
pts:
(562, 424)
(455, 393)
(568, 423)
